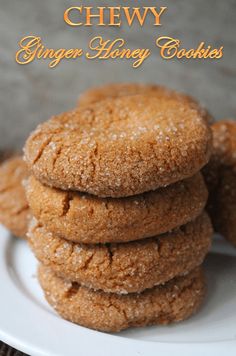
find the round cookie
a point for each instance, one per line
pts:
(120, 146)
(126, 267)
(113, 90)
(66, 214)
(174, 301)
(220, 175)
(14, 209)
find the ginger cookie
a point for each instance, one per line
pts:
(172, 302)
(120, 146)
(220, 176)
(125, 267)
(87, 219)
(14, 209)
(113, 90)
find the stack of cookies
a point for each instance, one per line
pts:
(118, 202)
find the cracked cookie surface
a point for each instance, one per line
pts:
(14, 209)
(87, 219)
(120, 146)
(125, 267)
(172, 302)
(220, 176)
(114, 90)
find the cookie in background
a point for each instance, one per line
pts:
(14, 209)
(220, 176)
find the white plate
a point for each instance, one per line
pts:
(29, 324)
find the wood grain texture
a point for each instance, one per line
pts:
(6, 350)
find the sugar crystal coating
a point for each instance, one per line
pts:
(172, 302)
(125, 267)
(84, 218)
(120, 146)
(114, 90)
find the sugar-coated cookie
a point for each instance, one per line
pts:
(220, 175)
(87, 219)
(174, 301)
(114, 90)
(125, 267)
(14, 209)
(120, 146)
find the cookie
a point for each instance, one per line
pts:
(125, 267)
(120, 146)
(66, 214)
(96, 94)
(14, 209)
(172, 302)
(220, 175)
(224, 211)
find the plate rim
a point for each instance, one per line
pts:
(120, 345)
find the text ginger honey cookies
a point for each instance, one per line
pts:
(118, 203)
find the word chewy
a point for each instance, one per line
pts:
(112, 16)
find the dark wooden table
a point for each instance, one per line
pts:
(6, 350)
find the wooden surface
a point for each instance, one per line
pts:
(6, 350)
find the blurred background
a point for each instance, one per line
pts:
(32, 93)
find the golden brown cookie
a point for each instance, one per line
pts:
(125, 267)
(14, 209)
(220, 175)
(87, 219)
(120, 147)
(174, 301)
(114, 90)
